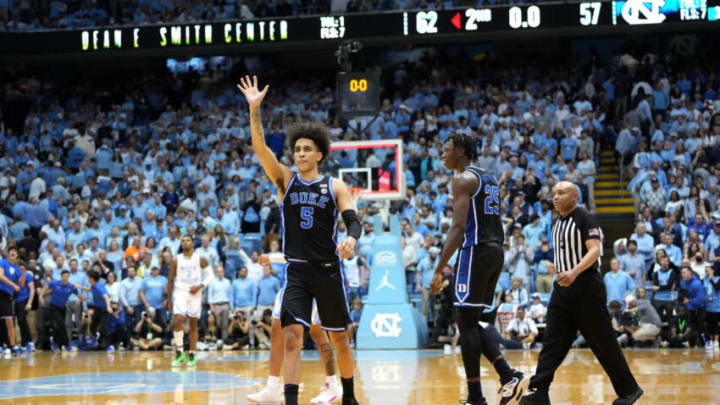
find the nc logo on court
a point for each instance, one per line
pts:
(386, 257)
(386, 325)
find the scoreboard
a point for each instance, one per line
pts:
(474, 23)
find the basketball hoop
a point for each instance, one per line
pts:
(355, 193)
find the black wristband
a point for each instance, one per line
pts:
(353, 224)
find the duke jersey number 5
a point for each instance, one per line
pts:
(306, 214)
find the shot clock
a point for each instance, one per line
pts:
(358, 93)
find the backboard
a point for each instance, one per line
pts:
(375, 166)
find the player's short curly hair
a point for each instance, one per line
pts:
(316, 132)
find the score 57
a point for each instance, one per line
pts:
(590, 13)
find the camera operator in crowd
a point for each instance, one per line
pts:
(522, 329)
(238, 332)
(147, 333)
(648, 321)
(262, 329)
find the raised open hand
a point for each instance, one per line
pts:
(249, 88)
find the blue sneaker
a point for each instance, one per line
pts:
(54, 347)
(30, 347)
(17, 351)
(111, 349)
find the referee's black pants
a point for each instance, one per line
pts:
(581, 306)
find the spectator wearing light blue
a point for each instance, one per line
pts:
(673, 252)
(661, 98)
(543, 260)
(711, 282)
(618, 284)
(424, 275)
(74, 306)
(712, 240)
(569, 146)
(645, 243)
(17, 230)
(633, 264)
(244, 293)
(534, 231)
(152, 293)
(130, 296)
(268, 287)
(520, 259)
(220, 292)
(665, 285)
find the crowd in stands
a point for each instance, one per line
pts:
(668, 144)
(105, 179)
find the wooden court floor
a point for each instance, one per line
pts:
(382, 378)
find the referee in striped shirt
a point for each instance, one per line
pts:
(578, 303)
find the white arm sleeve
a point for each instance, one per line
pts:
(207, 276)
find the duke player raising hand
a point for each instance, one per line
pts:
(310, 203)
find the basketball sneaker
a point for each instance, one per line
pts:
(267, 395)
(30, 347)
(709, 345)
(179, 359)
(329, 394)
(536, 397)
(111, 349)
(513, 390)
(629, 399)
(191, 360)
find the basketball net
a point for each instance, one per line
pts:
(356, 193)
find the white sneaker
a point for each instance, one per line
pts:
(709, 345)
(328, 395)
(267, 396)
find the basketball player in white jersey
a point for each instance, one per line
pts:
(272, 393)
(189, 274)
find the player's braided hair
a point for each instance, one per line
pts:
(465, 142)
